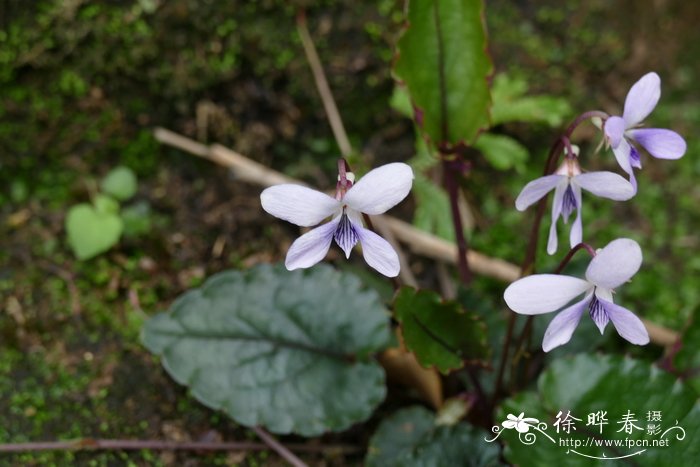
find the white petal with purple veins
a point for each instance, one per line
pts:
(381, 189)
(536, 189)
(615, 264)
(562, 327)
(627, 324)
(378, 253)
(298, 204)
(542, 293)
(641, 99)
(660, 143)
(576, 234)
(614, 129)
(311, 247)
(346, 235)
(606, 185)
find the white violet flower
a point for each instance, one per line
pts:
(567, 183)
(375, 193)
(611, 267)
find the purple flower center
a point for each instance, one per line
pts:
(568, 204)
(345, 235)
(598, 314)
(635, 161)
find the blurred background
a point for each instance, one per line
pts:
(83, 84)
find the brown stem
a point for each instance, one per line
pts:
(161, 445)
(462, 247)
(279, 448)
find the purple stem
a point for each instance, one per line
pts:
(528, 264)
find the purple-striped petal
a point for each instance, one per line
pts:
(536, 189)
(381, 189)
(598, 314)
(311, 247)
(378, 253)
(346, 235)
(615, 264)
(627, 324)
(542, 293)
(562, 327)
(576, 234)
(660, 143)
(606, 185)
(298, 204)
(614, 129)
(557, 203)
(641, 99)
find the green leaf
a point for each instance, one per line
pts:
(687, 359)
(137, 219)
(585, 384)
(432, 212)
(287, 350)
(410, 438)
(502, 152)
(120, 182)
(440, 333)
(91, 232)
(442, 60)
(105, 204)
(511, 105)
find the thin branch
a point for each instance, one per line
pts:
(324, 90)
(279, 448)
(89, 444)
(419, 241)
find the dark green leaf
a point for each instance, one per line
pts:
(287, 350)
(443, 62)
(410, 438)
(586, 384)
(440, 333)
(687, 359)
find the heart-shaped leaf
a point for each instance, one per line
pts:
(411, 438)
(120, 182)
(440, 333)
(91, 232)
(287, 350)
(443, 61)
(587, 384)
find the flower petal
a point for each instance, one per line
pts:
(542, 293)
(576, 234)
(614, 129)
(606, 185)
(557, 203)
(622, 155)
(627, 324)
(378, 253)
(615, 264)
(311, 247)
(535, 190)
(641, 99)
(346, 235)
(660, 143)
(298, 204)
(562, 327)
(381, 189)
